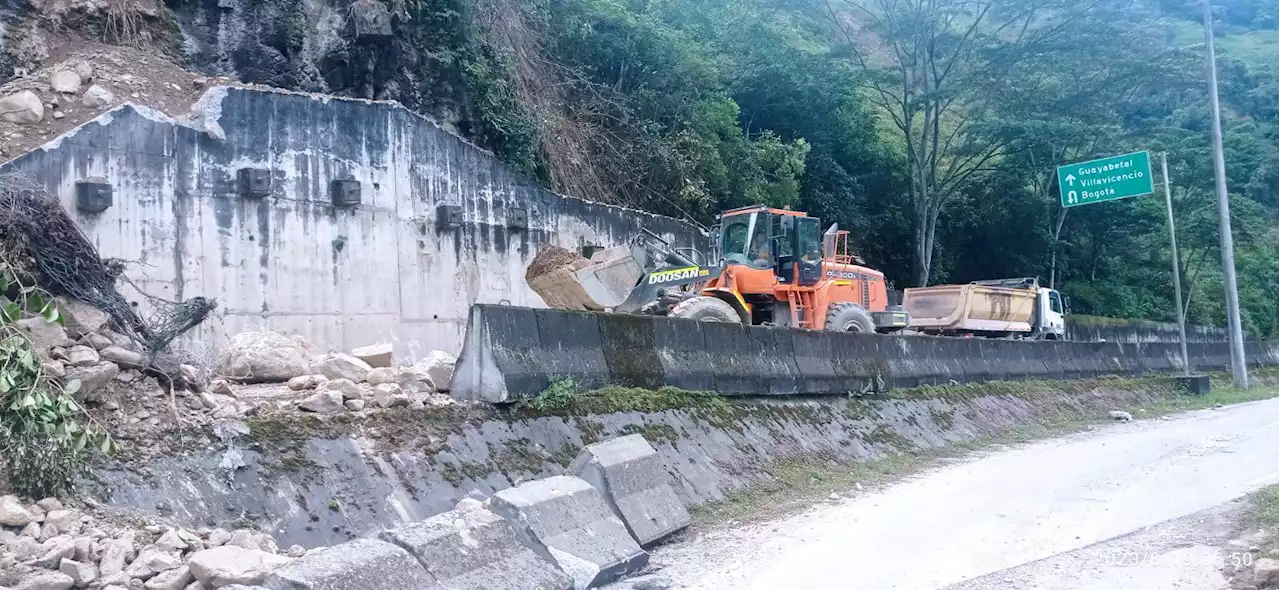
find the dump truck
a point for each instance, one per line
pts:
(768, 266)
(1003, 308)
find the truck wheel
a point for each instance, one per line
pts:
(705, 309)
(849, 317)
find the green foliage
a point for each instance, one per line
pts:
(47, 436)
(563, 397)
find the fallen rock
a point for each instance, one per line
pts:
(363, 563)
(572, 519)
(96, 97)
(634, 482)
(263, 357)
(399, 400)
(355, 405)
(174, 579)
(1120, 415)
(304, 382)
(13, 512)
(436, 369)
(151, 561)
(252, 540)
(55, 549)
(375, 355)
(381, 375)
(346, 387)
(383, 393)
(115, 553)
(221, 387)
(122, 357)
(33, 530)
(62, 521)
(45, 335)
(54, 368)
(214, 401)
(81, 573)
(171, 541)
(82, 356)
(92, 378)
(322, 402)
(23, 108)
(65, 81)
(337, 365)
(217, 538)
(97, 341)
(45, 580)
(296, 551)
(80, 318)
(1266, 573)
(229, 564)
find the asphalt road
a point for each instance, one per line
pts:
(1002, 510)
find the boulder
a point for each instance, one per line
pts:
(436, 369)
(122, 357)
(81, 573)
(62, 521)
(376, 355)
(23, 108)
(383, 393)
(1266, 573)
(337, 365)
(56, 369)
(45, 580)
(174, 579)
(97, 341)
(115, 553)
(1120, 416)
(346, 387)
(580, 531)
(82, 356)
(92, 378)
(381, 375)
(363, 563)
(355, 405)
(151, 561)
(322, 402)
(80, 318)
(253, 540)
(477, 550)
(13, 512)
(304, 382)
(634, 481)
(45, 335)
(229, 564)
(65, 81)
(97, 97)
(263, 357)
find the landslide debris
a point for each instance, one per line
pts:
(548, 258)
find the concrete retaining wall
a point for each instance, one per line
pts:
(385, 270)
(1100, 329)
(513, 353)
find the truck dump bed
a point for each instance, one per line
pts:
(970, 308)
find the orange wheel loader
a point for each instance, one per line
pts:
(773, 267)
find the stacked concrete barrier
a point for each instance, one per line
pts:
(512, 353)
(476, 549)
(630, 475)
(571, 519)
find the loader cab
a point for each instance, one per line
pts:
(764, 238)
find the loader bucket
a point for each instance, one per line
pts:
(603, 284)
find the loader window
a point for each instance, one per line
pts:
(809, 240)
(746, 241)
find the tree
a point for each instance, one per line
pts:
(945, 72)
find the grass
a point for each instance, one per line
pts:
(564, 398)
(1264, 514)
(795, 484)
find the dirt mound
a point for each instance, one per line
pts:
(91, 78)
(549, 258)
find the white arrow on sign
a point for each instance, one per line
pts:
(1071, 180)
(1071, 195)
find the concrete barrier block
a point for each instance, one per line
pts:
(363, 563)
(572, 520)
(478, 550)
(498, 363)
(652, 352)
(570, 346)
(628, 471)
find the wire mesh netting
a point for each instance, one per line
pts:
(42, 241)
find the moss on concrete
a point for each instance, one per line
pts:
(654, 433)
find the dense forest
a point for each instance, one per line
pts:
(929, 128)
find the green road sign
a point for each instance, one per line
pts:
(1108, 179)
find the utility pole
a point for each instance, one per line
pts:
(1177, 273)
(1238, 373)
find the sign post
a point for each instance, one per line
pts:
(1107, 179)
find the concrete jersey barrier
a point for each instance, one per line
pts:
(512, 353)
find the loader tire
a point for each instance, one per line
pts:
(849, 317)
(705, 309)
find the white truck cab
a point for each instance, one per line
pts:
(1051, 312)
